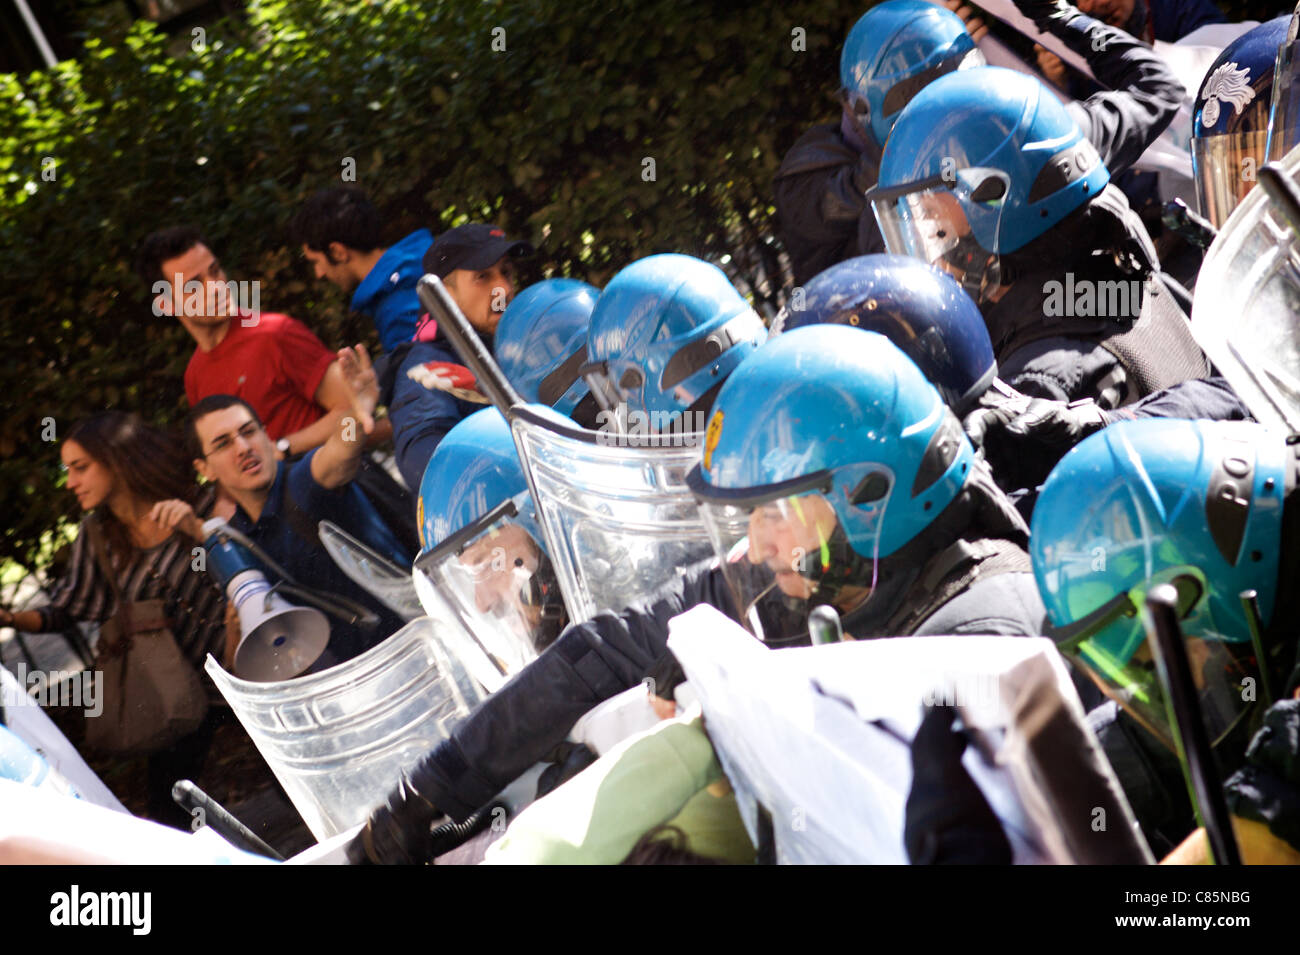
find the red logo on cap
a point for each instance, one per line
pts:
(497, 233)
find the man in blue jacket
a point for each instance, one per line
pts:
(340, 232)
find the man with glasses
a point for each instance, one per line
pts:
(280, 504)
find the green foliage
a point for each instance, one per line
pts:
(547, 138)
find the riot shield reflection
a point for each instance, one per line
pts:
(617, 515)
(1247, 301)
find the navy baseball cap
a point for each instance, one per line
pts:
(473, 246)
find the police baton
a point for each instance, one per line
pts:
(1160, 620)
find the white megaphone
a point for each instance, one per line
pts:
(278, 640)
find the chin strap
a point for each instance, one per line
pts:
(979, 276)
(543, 591)
(839, 566)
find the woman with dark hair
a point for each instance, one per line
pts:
(137, 489)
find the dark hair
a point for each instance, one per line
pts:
(150, 464)
(162, 245)
(207, 406)
(666, 845)
(340, 214)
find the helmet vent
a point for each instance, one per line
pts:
(989, 190)
(872, 487)
(702, 352)
(945, 444)
(1228, 500)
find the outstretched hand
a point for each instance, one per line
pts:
(363, 384)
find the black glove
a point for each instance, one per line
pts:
(398, 832)
(1267, 788)
(948, 821)
(1023, 438)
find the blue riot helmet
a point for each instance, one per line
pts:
(1230, 119)
(482, 550)
(921, 310)
(665, 333)
(826, 453)
(979, 164)
(892, 52)
(1196, 504)
(541, 343)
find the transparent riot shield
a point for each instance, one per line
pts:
(339, 740)
(1246, 313)
(614, 508)
(618, 518)
(817, 741)
(1284, 111)
(377, 574)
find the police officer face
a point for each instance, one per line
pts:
(500, 564)
(787, 536)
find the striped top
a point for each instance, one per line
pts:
(192, 599)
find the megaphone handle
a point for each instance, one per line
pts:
(339, 607)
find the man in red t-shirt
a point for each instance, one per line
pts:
(272, 361)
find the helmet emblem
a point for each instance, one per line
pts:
(1227, 84)
(711, 437)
